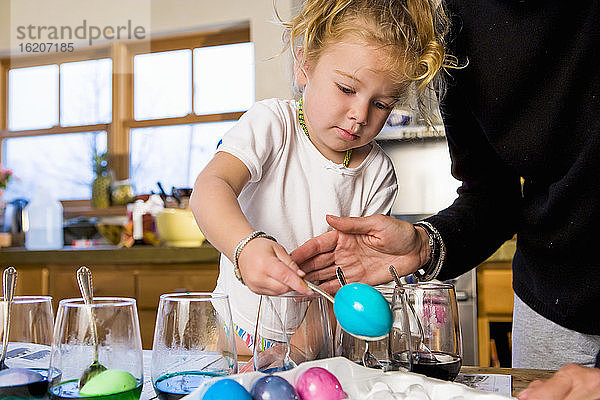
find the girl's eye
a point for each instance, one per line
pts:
(381, 106)
(345, 89)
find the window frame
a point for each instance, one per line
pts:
(122, 54)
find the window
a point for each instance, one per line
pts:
(159, 111)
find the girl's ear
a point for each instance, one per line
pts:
(300, 67)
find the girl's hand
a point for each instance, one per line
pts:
(268, 269)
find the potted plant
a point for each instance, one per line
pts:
(102, 180)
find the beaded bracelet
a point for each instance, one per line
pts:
(437, 256)
(240, 246)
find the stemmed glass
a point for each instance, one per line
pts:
(379, 353)
(193, 342)
(29, 340)
(290, 329)
(119, 349)
(436, 344)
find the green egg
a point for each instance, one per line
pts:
(109, 382)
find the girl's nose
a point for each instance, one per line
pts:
(359, 112)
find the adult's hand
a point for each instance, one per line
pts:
(364, 247)
(571, 382)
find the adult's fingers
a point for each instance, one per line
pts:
(322, 274)
(356, 225)
(323, 243)
(318, 262)
(331, 286)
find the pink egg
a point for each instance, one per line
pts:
(317, 383)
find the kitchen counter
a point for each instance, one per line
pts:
(111, 255)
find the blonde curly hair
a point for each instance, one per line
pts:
(414, 31)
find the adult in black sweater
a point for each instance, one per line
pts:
(526, 109)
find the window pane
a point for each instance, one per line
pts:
(162, 84)
(86, 92)
(223, 78)
(173, 155)
(33, 97)
(63, 163)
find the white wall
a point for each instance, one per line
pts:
(172, 16)
(425, 184)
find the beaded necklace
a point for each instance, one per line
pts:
(348, 154)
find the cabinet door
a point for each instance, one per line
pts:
(32, 280)
(495, 291)
(107, 280)
(151, 284)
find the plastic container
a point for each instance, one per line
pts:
(43, 222)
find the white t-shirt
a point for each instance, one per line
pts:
(293, 186)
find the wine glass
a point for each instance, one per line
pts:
(379, 353)
(291, 328)
(193, 342)
(436, 344)
(29, 341)
(119, 349)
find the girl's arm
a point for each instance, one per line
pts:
(265, 265)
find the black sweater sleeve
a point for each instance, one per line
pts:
(485, 213)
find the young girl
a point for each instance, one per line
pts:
(287, 163)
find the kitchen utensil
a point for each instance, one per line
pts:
(9, 283)
(175, 195)
(12, 376)
(422, 345)
(163, 193)
(84, 279)
(361, 310)
(354, 349)
(340, 276)
(368, 359)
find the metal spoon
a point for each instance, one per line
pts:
(368, 359)
(429, 354)
(9, 284)
(349, 311)
(84, 279)
(11, 375)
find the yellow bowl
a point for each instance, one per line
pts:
(178, 228)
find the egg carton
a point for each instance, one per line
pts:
(361, 383)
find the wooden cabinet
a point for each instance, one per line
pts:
(140, 273)
(495, 304)
(31, 280)
(150, 284)
(107, 280)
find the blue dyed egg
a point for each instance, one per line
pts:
(273, 387)
(362, 311)
(226, 389)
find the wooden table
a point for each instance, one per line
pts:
(520, 377)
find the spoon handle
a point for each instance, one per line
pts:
(9, 283)
(340, 276)
(317, 289)
(84, 279)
